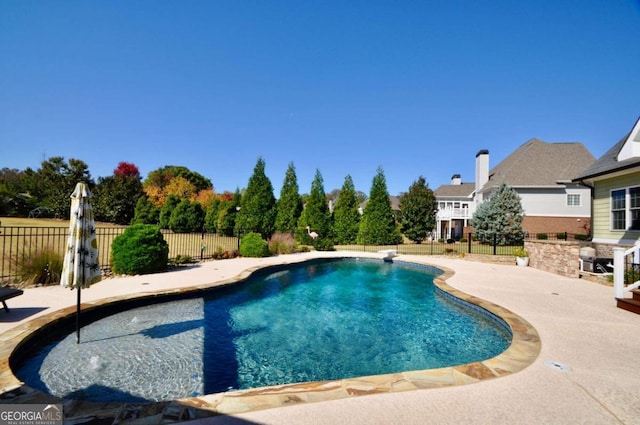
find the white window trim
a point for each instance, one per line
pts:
(627, 209)
(578, 195)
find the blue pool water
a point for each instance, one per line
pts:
(317, 321)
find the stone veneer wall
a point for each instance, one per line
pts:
(559, 257)
(605, 250)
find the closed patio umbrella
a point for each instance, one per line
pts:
(80, 268)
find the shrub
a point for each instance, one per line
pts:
(561, 235)
(282, 243)
(42, 267)
(582, 237)
(542, 236)
(253, 245)
(323, 244)
(222, 254)
(182, 259)
(631, 275)
(520, 252)
(140, 249)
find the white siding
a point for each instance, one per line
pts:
(602, 231)
(553, 202)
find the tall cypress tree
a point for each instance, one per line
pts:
(227, 214)
(378, 224)
(317, 217)
(169, 205)
(290, 204)
(346, 217)
(211, 216)
(258, 205)
(501, 216)
(418, 211)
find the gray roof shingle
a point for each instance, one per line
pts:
(455, 190)
(608, 163)
(538, 163)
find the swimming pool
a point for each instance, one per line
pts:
(296, 324)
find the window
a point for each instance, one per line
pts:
(634, 207)
(573, 199)
(625, 209)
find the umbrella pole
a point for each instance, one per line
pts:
(82, 259)
(78, 318)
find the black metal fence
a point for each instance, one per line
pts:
(18, 243)
(466, 245)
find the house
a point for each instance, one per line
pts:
(393, 200)
(615, 182)
(541, 173)
(456, 206)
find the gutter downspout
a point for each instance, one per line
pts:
(591, 191)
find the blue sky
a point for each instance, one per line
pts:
(417, 88)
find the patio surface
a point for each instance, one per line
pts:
(576, 320)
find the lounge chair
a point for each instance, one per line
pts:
(6, 293)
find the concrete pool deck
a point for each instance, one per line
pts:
(577, 321)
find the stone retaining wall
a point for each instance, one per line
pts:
(559, 257)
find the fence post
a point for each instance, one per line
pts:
(618, 272)
(469, 242)
(495, 243)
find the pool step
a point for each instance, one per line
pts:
(630, 304)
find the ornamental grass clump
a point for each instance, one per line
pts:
(41, 267)
(282, 243)
(141, 249)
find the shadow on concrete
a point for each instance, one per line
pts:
(16, 314)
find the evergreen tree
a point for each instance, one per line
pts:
(187, 217)
(146, 212)
(418, 211)
(58, 180)
(211, 217)
(501, 216)
(378, 223)
(258, 205)
(16, 192)
(290, 204)
(227, 216)
(170, 204)
(115, 197)
(346, 216)
(316, 218)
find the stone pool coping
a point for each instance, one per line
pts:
(522, 352)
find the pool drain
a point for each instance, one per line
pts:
(557, 366)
